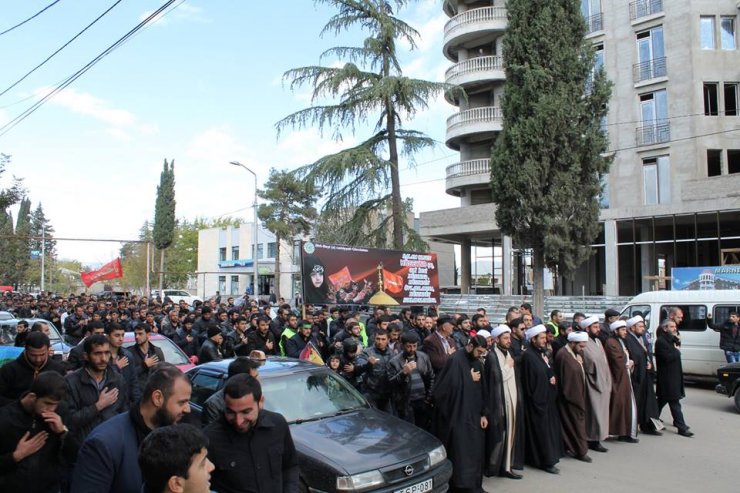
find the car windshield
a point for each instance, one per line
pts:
(172, 354)
(7, 332)
(310, 395)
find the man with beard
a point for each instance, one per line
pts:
(376, 385)
(572, 395)
(642, 376)
(121, 362)
(461, 334)
(622, 416)
(505, 432)
(262, 339)
(350, 366)
(669, 388)
(517, 338)
(411, 377)
(214, 406)
(145, 354)
(598, 385)
(211, 348)
(440, 346)
(108, 459)
(461, 415)
(251, 447)
(17, 376)
(542, 420)
(296, 344)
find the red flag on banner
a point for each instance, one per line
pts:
(310, 353)
(341, 278)
(111, 270)
(393, 283)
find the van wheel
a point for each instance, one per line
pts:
(737, 400)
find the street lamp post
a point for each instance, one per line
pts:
(255, 261)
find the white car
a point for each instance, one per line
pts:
(176, 295)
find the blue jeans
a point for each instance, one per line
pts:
(732, 356)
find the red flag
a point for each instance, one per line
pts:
(310, 353)
(341, 278)
(393, 283)
(111, 270)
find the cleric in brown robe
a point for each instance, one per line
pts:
(572, 395)
(622, 418)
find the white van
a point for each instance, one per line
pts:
(700, 353)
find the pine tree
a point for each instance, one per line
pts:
(9, 196)
(164, 215)
(22, 244)
(370, 85)
(41, 227)
(289, 210)
(7, 262)
(549, 159)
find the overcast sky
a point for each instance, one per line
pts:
(202, 86)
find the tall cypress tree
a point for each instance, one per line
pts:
(163, 232)
(22, 243)
(549, 159)
(7, 261)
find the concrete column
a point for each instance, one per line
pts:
(465, 264)
(611, 258)
(507, 266)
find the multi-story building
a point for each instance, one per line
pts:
(672, 196)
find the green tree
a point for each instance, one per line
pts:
(289, 210)
(370, 87)
(21, 249)
(163, 232)
(7, 240)
(133, 260)
(41, 226)
(9, 196)
(549, 159)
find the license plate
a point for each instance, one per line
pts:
(418, 487)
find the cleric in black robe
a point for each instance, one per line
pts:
(461, 416)
(542, 420)
(643, 377)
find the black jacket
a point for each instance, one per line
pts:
(209, 351)
(376, 376)
(728, 341)
(297, 344)
(76, 358)
(257, 341)
(669, 385)
(82, 394)
(263, 460)
(401, 383)
(128, 373)
(181, 339)
(17, 376)
(37, 473)
(142, 371)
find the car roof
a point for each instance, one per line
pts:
(703, 296)
(275, 365)
(152, 335)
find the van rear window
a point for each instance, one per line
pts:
(722, 313)
(693, 317)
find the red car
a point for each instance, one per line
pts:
(172, 352)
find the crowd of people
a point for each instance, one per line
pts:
(498, 396)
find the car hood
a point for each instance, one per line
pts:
(363, 440)
(730, 367)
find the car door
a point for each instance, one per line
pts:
(204, 384)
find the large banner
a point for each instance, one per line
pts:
(345, 275)
(705, 278)
(111, 270)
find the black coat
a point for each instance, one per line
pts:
(128, 373)
(210, 351)
(181, 339)
(643, 383)
(263, 460)
(258, 342)
(142, 371)
(401, 383)
(670, 372)
(729, 336)
(17, 376)
(296, 344)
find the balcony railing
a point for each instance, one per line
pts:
(473, 65)
(650, 69)
(657, 132)
(643, 8)
(469, 168)
(595, 23)
(475, 115)
(473, 16)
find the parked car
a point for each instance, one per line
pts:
(729, 382)
(6, 316)
(343, 444)
(7, 337)
(172, 352)
(700, 352)
(175, 295)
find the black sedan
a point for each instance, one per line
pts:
(344, 445)
(729, 382)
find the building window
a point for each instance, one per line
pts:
(714, 162)
(655, 129)
(727, 33)
(706, 26)
(656, 180)
(235, 253)
(222, 284)
(642, 8)
(260, 251)
(234, 284)
(733, 161)
(222, 254)
(711, 99)
(591, 10)
(730, 94)
(272, 250)
(650, 55)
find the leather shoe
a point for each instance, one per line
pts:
(598, 447)
(584, 458)
(551, 470)
(512, 475)
(686, 433)
(629, 440)
(653, 432)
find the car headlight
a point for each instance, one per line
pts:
(360, 482)
(437, 455)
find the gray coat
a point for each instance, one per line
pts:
(598, 389)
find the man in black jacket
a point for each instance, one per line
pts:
(74, 325)
(729, 336)
(669, 388)
(33, 438)
(17, 376)
(296, 344)
(251, 447)
(376, 385)
(76, 358)
(411, 377)
(262, 339)
(145, 354)
(122, 362)
(211, 348)
(185, 338)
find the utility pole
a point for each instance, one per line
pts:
(43, 256)
(255, 240)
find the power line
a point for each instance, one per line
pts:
(60, 48)
(15, 121)
(31, 18)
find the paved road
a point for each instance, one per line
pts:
(706, 463)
